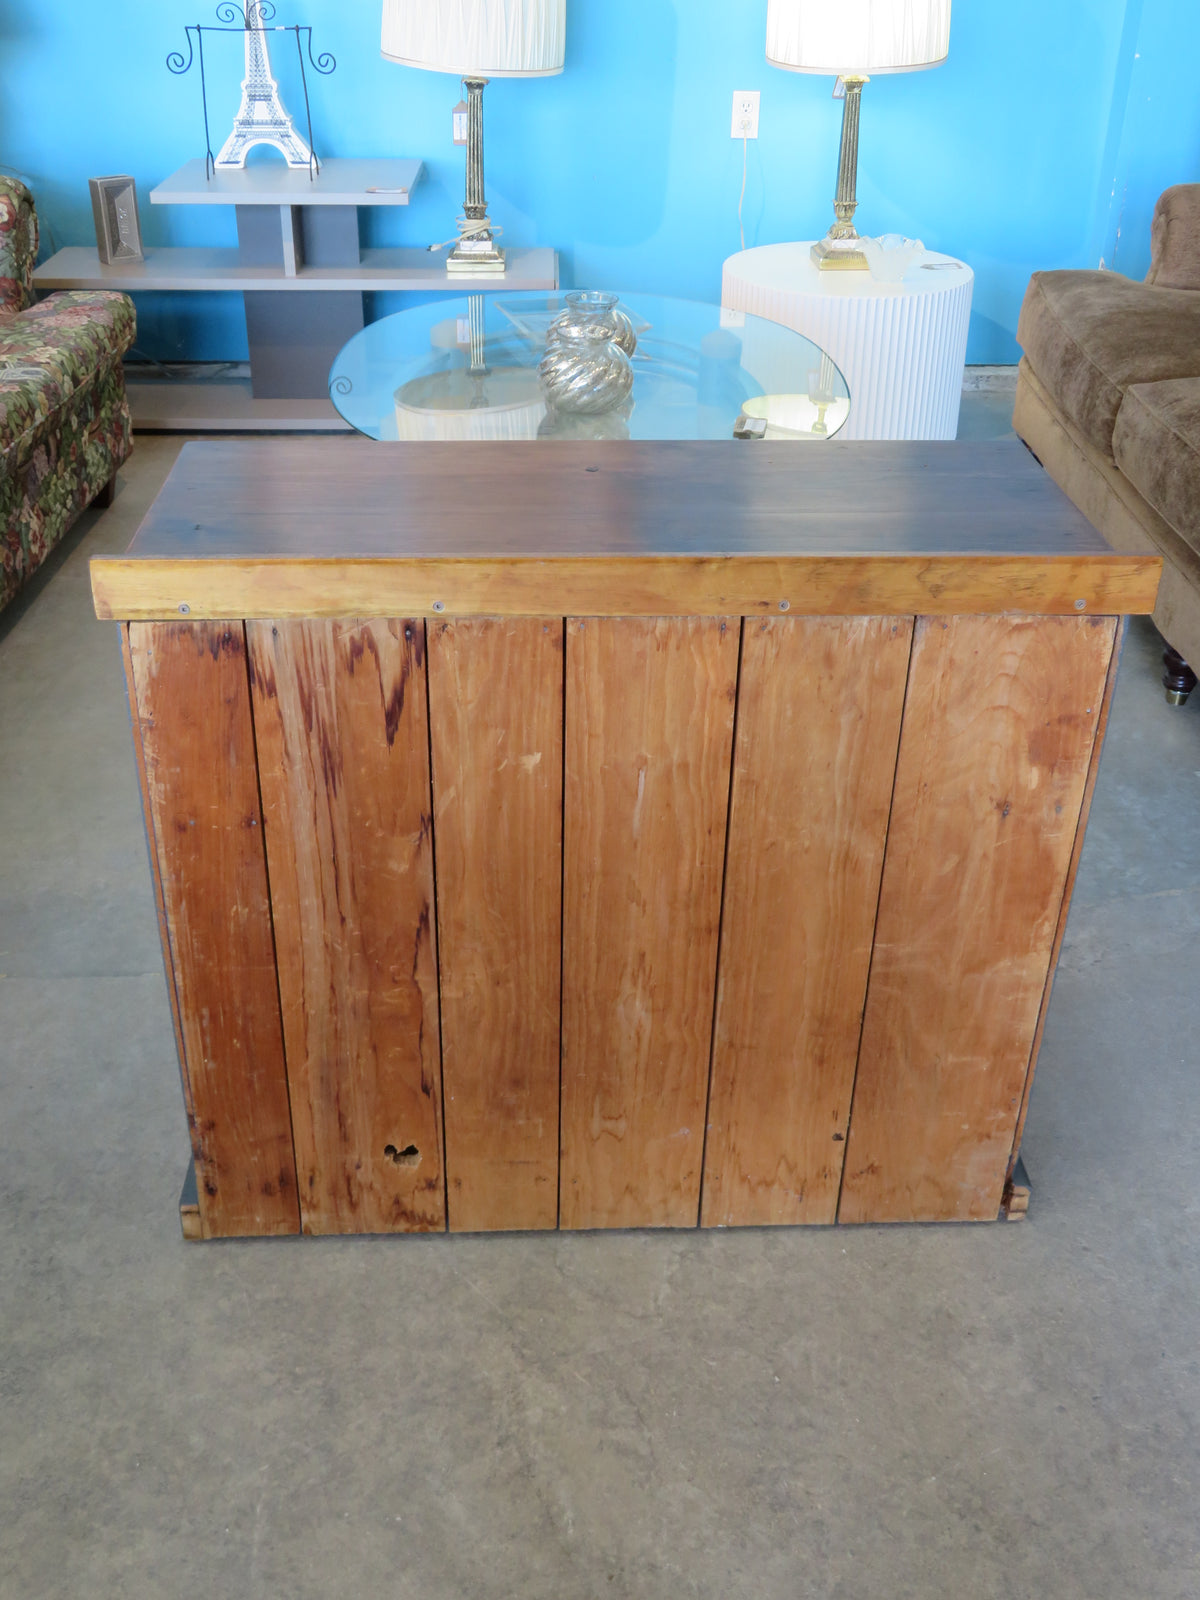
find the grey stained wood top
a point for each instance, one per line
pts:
(348, 528)
(330, 499)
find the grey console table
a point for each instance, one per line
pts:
(302, 272)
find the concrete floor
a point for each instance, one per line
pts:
(985, 1413)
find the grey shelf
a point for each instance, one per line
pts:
(340, 182)
(222, 405)
(302, 271)
(186, 267)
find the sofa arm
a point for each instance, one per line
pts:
(18, 244)
(1175, 238)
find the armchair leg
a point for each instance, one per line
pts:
(1178, 678)
(107, 495)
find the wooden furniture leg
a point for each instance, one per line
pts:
(1178, 678)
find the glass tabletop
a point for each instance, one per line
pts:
(469, 369)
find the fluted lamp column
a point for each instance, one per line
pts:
(851, 40)
(476, 40)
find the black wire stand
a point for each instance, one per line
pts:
(256, 14)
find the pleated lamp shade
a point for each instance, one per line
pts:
(839, 37)
(506, 403)
(477, 38)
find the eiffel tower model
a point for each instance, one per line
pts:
(261, 118)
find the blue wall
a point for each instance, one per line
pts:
(1154, 129)
(1042, 142)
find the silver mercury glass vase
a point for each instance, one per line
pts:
(594, 314)
(583, 376)
(612, 424)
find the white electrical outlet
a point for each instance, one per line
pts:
(745, 114)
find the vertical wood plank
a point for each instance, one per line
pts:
(649, 732)
(1110, 687)
(197, 738)
(1000, 722)
(341, 720)
(160, 904)
(496, 705)
(818, 724)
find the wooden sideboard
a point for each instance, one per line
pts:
(612, 835)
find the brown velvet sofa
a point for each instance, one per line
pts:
(1108, 399)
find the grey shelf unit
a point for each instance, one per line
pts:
(302, 273)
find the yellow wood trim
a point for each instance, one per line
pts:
(146, 589)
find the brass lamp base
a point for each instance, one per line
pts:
(838, 255)
(476, 253)
(464, 260)
(839, 250)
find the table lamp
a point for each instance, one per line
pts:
(850, 40)
(476, 40)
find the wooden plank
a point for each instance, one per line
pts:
(193, 704)
(160, 905)
(1110, 687)
(644, 586)
(191, 1224)
(352, 497)
(341, 718)
(818, 724)
(496, 706)
(1000, 722)
(649, 728)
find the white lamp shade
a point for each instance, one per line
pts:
(837, 37)
(506, 403)
(477, 38)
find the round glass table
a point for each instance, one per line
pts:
(467, 369)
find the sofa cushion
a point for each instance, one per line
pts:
(54, 349)
(1156, 444)
(1089, 335)
(1175, 238)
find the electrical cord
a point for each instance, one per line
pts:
(742, 197)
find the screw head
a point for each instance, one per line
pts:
(785, 605)
(439, 605)
(1081, 605)
(184, 609)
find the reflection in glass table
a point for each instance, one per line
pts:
(468, 369)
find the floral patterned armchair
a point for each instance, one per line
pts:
(64, 418)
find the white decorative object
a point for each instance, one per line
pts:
(841, 37)
(891, 256)
(900, 346)
(849, 40)
(261, 117)
(476, 40)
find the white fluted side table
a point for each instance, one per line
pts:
(900, 346)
